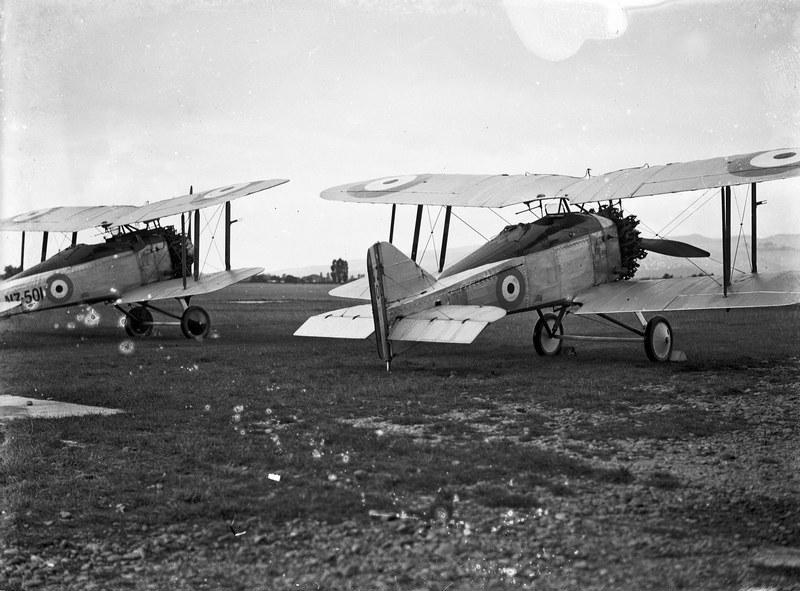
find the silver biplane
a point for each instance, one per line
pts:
(140, 262)
(580, 259)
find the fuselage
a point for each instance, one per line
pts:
(91, 273)
(529, 266)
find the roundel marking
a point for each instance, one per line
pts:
(510, 289)
(220, 192)
(59, 288)
(386, 185)
(775, 159)
(31, 215)
(391, 183)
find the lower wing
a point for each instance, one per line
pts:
(8, 306)
(174, 288)
(760, 290)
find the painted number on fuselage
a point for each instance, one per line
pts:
(27, 296)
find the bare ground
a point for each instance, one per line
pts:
(259, 461)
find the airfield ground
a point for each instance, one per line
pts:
(255, 460)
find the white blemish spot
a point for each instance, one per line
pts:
(126, 347)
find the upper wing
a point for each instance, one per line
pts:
(724, 171)
(501, 190)
(173, 288)
(66, 219)
(692, 293)
(74, 219)
(466, 190)
(184, 203)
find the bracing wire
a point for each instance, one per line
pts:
(212, 240)
(684, 215)
(741, 235)
(431, 237)
(459, 218)
(689, 260)
(501, 217)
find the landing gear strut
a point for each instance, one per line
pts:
(548, 335)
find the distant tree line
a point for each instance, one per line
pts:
(10, 271)
(339, 274)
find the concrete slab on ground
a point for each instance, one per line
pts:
(16, 407)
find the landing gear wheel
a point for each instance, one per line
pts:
(658, 339)
(195, 323)
(545, 345)
(139, 322)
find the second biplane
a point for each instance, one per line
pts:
(140, 262)
(579, 260)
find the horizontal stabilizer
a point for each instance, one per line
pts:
(346, 323)
(357, 290)
(672, 248)
(173, 288)
(445, 324)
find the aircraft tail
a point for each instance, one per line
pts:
(392, 277)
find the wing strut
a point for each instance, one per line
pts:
(183, 249)
(725, 198)
(45, 235)
(228, 223)
(196, 244)
(445, 234)
(754, 203)
(22, 254)
(74, 238)
(417, 226)
(391, 223)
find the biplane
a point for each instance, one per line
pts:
(580, 259)
(141, 261)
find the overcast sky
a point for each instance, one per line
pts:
(132, 101)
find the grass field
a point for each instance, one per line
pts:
(256, 460)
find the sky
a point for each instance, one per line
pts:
(130, 102)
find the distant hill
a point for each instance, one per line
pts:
(780, 252)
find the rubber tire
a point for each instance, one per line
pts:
(195, 323)
(543, 344)
(658, 339)
(139, 322)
